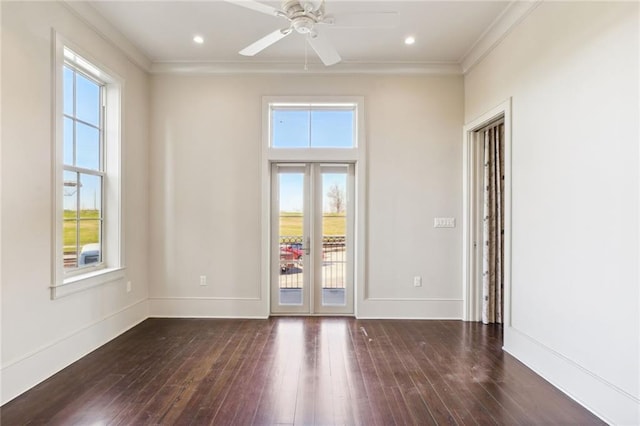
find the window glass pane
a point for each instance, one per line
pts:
(67, 83)
(290, 128)
(90, 196)
(70, 194)
(68, 141)
(87, 100)
(89, 242)
(69, 235)
(87, 147)
(332, 129)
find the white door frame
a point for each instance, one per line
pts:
(312, 237)
(471, 216)
(357, 156)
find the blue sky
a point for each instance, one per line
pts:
(87, 155)
(291, 190)
(319, 128)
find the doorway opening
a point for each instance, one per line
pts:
(313, 204)
(487, 217)
(312, 223)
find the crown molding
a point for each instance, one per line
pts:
(513, 14)
(497, 31)
(345, 67)
(86, 13)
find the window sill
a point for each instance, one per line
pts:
(85, 281)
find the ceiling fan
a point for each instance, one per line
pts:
(304, 17)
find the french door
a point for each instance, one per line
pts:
(312, 224)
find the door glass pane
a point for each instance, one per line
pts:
(332, 129)
(290, 237)
(334, 233)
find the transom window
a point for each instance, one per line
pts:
(83, 178)
(313, 125)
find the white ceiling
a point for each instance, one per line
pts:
(445, 31)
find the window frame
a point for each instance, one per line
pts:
(100, 172)
(333, 154)
(111, 267)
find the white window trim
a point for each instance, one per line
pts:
(112, 268)
(356, 155)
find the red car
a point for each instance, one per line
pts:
(295, 249)
(290, 255)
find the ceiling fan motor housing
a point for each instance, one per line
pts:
(304, 6)
(303, 24)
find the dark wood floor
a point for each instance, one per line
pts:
(321, 371)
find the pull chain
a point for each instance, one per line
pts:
(306, 53)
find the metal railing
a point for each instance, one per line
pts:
(334, 261)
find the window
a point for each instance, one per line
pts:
(313, 125)
(87, 184)
(83, 132)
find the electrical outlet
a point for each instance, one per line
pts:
(417, 281)
(128, 286)
(203, 280)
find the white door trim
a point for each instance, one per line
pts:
(470, 216)
(357, 156)
(312, 237)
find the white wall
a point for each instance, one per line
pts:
(39, 335)
(206, 191)
(572, 72)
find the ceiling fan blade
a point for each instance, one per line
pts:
(265, 42)
(363, 20)
(325, 50)
(254, 5)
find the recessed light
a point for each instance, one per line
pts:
(198, 39)
(409, 40)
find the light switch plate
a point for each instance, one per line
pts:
(444, 222)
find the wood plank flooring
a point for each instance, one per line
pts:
(302, 371)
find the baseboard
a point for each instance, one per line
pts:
(602, 398)
(379, 308)
(23, 374)
(186, 307)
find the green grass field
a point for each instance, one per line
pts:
(290, 224)
(332, 224)
(89, 228)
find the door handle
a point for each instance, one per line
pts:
(307, 249)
